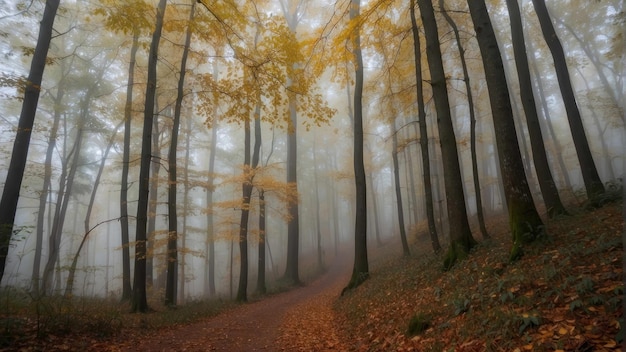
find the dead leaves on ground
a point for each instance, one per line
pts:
(564, 294)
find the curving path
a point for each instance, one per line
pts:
(298, 320)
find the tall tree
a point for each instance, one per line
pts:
(172, 235)
(360, 272)
(396, 178)
(461, 240)
(472, 112)
(126, 287)
(47, 177)
(139, 300)
(32, 90)
(92, 199)
(593, 183)
(524, 221)
(548, 188)
(423, 136)
(292, 12)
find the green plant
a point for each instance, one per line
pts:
(418, 324)
(585, 286)
(461, 306)
(527, 321)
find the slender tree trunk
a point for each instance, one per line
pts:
(396, 175)
(472, 112)
(379, 241)
(593, 184)
(292, 271)
(210, 259)
(47, 181)
(524, 221)
(542, 168)
(126, 287)
(260, 284)
(361, 266)
(72, 271)
(461, 240)
(139, 299)
(15, 173)
(249, 169)
(186, 204)
(63, 198)
(546, 120)
(246, 189)
(153, 195)
(428, 191)
(172, 235)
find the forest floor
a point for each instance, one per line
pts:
(565, 294)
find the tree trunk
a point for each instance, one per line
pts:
(461, 240)
(360, 271)
(396, 176)
(139, 299)
(71, 273)
(524, 221)
(126, 287)
(15, 173)
(66, 184)
(293, 227)
(472, 112)
(172, 234)
(593, 184)
(428, 191)
(47, 181)
(210, 258)
(542, 168)
(260, 283)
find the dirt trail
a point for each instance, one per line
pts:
(298, 320)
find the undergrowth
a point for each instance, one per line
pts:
(565, 293)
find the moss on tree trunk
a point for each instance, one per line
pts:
(458, 250)
(526, 226)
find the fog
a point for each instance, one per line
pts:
(85, 88)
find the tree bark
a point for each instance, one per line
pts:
(126, 286)
(472, 112)
(423, 136)
(396, 177)
(593, 183)
(524, 221)
(139, 300)
(360, 271)
(461, 240)
(47, 181)
(15, 173)
(172, 235)
(542, 168)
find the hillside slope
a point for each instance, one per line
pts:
(566, 293)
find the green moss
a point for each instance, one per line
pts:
(457, 251)
(526, 226)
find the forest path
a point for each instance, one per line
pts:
(302, 319)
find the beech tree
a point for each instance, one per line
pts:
(128, 18)
(360, 272)
(423, 135)
(548, 188)
(139, 300)
(593, 184)
(524, 221)
(32, 90)
(461, 240)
